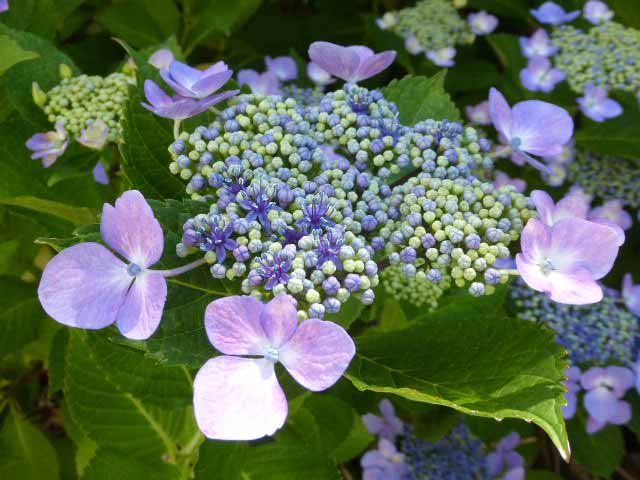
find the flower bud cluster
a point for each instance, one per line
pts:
(304, 96)
(453, 228)
(605, 56)
(608, 178)
(299, 200)
(416, 290)
(594, 335)
(78, 102)
(434, 24)
(458, 455)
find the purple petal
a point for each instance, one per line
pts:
(514, 459)
(621, 414)
(4, 5)
(284, 67)
(509, 442)
(515, 474)
(233, 326)
(238, 398)
(600, 403)
(594, 425)
(621, 379)
(184, 74)
(131, 229)
(177, 87)
(247, 76)
(142, 309)
(495, 463)
(591, 378)
(373, 423)
(100, 174)
(573, 205)
(375, 64)
(318, 75)
(279, 319)
(373, 459)
(318, 354)
(535, 240)
(84, 286)
(542, 127)
(155, 95)
(215, 68)
(544, 205)
(387, 410)
(500, 113)
(339, 61)
(569, 410)
(207, 85)
(162, 59)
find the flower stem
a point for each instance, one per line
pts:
(505, 150)
(176, 128)
(180, 270)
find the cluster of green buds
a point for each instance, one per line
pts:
(416, 290)
(89, 108)
(606, 56)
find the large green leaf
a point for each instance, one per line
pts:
(25, 453)
(20, 314)
(601, 453)
(421, 98)
(11, 53)
(471, 357)
(41, 17)
(110, 402)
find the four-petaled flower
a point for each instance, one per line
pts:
(597, 12)
(49, 146)
(193, 83)
(266, 83)
(238, 398)
(87, 286)
(95, 135)
(596, 105)
(538, 45)
(443, 57)
(605, 388)
(482, 23)
(352, 64)
(540, 76)
(385, 463)
(531, 127)
(284, 67)
(179, 107)
(388, 425)
(553, 14)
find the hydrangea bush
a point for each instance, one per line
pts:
(224, 257)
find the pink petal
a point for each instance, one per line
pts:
(84, 286)
(279, 319)
(318, 354)
(574, 287)
(131, 229)
(142, 309)
(621, 415)
(573, 205)
(544, 205)
(500, 113)
(375, 64)
(536, 240)
(532, 274)
(238, 398)
(233, 326)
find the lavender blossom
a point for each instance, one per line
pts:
(501, 179)
(553, 14)
(284, 67)
(572, 384)
(4, 5)
(538, 45)
(505, 457)
(479, 114)
(385, 463)
(94, 136)
(317, 215)
(540, 76)
(319, 75)
(605, 388)
(352, 64)
(49, 146)
(162, 59)
(266, 83)
(388, 425)
(612, 212)
(596, 105)
(443, 57)
(482, 23)
(597, 12)
(193, 83)
(100, 174)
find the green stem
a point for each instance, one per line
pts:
(176, 128)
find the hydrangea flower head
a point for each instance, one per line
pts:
(597, 12)
(352, 64)
(385, 463)
(553, 14)
(178, 107)
(319, 75)
(631, 294)
(605, 387)
(596, 105)
(531, 127)
(49, 146)
(540, 76)
(193, 83)
(388, 425)
(162, 59)
(482, 23)
(239, 398)
(612, 211)
(87, 286)
(572, 385)
(266, 83)
(479, 114)
(538, 45)
(284, 67)
(505, 457)
(565, 260)
(95, 135)
(444, 57)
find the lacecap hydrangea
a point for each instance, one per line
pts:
(311, 200)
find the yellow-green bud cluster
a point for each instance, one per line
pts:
(417, 290)
(605, 56)
(77, 102)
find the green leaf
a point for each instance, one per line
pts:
(617, 137)
(219, 17)
(471, 357)
(20, 314)
(542, 475)
(42, 17)
(421, 98)
(123, 20)
(11, 53)
(56, 359)
(108, 464)
(25, 452)
(600, 453)
(74, 215)
(109, 405)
